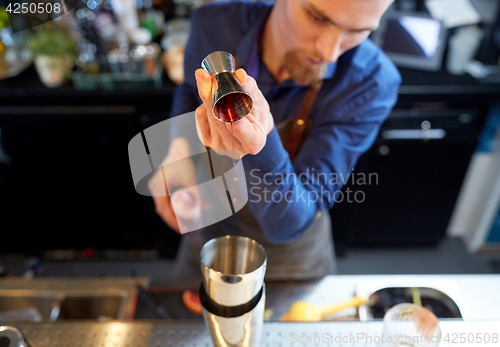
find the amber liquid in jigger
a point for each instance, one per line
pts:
(225, 109)
(229, 107)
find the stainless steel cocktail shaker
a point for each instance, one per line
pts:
(232, 293)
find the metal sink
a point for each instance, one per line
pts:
(442, 305)
(11, 300)
(66, 299)
(94, 307)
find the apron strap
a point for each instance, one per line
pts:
(299, 125)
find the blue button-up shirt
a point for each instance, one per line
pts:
(358, 93)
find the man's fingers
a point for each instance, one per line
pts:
(248, 81)
(212, 132)
(253, 137)
(163, 205)
(204, 85)
(215, 124)
(203, 125)
(163, 208)
(241, 74)
(200, 135)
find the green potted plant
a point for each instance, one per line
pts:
(54, 53)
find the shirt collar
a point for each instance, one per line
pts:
(247, 54)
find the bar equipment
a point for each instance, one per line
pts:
(12, 337)
(232, 292)
(174, 44)
(411, 325)
(231, 102)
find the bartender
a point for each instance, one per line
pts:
(291, 53)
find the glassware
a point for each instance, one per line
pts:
(411, 325)
(174, 43)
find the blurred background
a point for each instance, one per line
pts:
(75, 87)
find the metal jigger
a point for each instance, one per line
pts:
(232, 293)
(231, 101)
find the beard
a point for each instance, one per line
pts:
(303, 73)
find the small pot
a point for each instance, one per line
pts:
(53, 70)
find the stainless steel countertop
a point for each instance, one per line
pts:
(48, 294)
(478, 296)
(195, 334)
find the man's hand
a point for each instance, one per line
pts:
(250, 133)
(178, 170)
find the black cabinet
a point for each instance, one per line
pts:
(69, 186)
(419, 161)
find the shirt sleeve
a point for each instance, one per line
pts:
(184, 100)
(286, 197)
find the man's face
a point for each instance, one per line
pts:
(317, 32)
